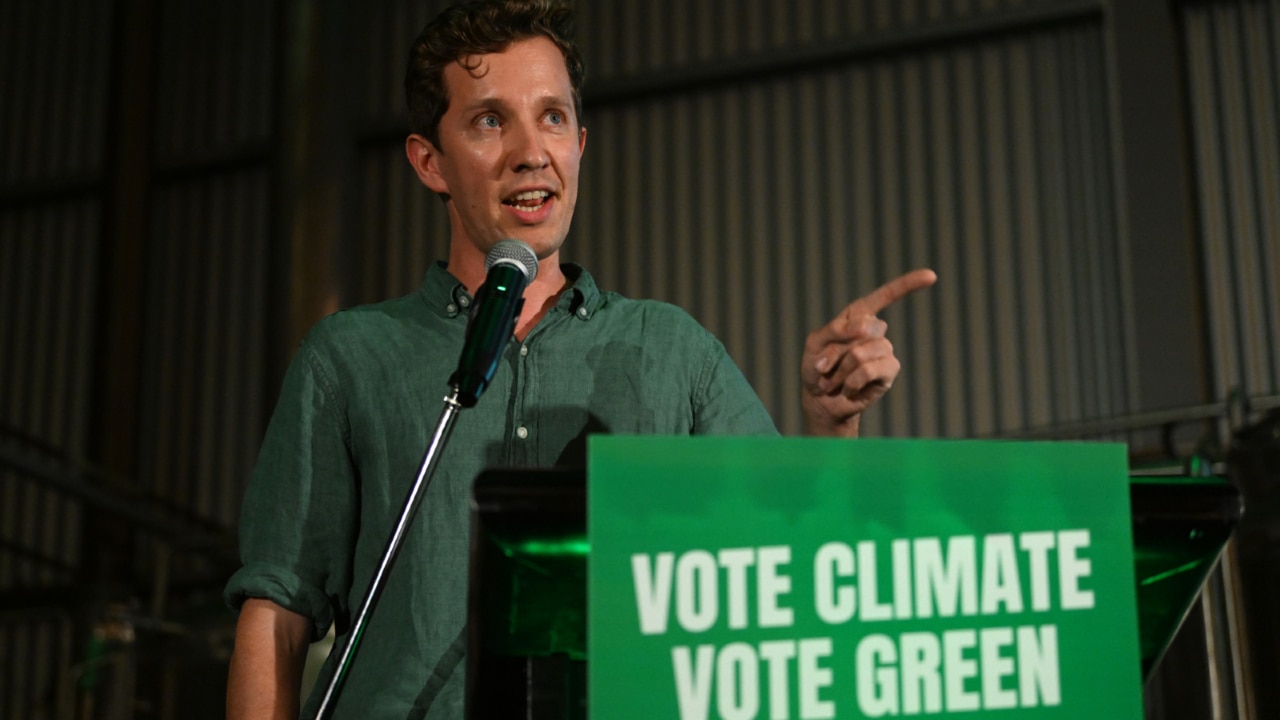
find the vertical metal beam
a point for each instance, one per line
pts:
(108, 541)
(1157, 219)
(1156, 205)
(315, 157)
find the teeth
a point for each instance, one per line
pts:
(532, 200)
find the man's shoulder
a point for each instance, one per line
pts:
(652, 323)
(614, 307)
(626, 308)
(371, 320)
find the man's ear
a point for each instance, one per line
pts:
(425, 159)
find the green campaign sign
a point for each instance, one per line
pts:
(806, 578)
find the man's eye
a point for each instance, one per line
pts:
(555, 117)
(489, 121)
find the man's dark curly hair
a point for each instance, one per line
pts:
(481, 27)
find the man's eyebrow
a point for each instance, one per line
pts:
(487, 102)
(496, 102)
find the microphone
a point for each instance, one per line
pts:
(510, 267)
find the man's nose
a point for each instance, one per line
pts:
(527, 149)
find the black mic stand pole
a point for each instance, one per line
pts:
(416, 493)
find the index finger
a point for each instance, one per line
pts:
(893, 291)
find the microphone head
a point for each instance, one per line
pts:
(513, 252)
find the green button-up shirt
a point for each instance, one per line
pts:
(358, 406)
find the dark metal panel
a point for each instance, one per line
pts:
(971, 272)
(403, 226)
(629, 38)
(215, 82)
(47, 253)
(386, 29)
(668, 39)
(247, 344)
(1234, 97)
(1055, 232)
(769, 285)
(916, 342)
(949, 406)
(206, 297)
(35, 665)
(683, 266)
(1030, 268)
(17, 698)
(1005, 286)
(205, 335)
(630, 214)
(54, 59)
(7, 684)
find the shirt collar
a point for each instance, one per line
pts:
(443, 293)
(582, 299)
(448, 297)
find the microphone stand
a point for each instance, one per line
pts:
(509, 266)
(443, 427)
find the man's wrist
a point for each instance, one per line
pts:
(821, 425)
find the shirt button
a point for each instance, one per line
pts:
(464, 301)
(582, 312)
(522, 432)
(524, 350)
(451, 308)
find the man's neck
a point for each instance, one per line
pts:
(541, 295)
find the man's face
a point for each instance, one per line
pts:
(510, 146)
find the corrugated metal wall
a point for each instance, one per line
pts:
(203, 356)
(205, 342)
(208, 253)
(47, 279)
(401, 227)
(53, 61)
(36, 666)
(1233, 57)
(1232, 52)
(630, 38)
(50, 214)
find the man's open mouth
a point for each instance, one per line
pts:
(528, 201)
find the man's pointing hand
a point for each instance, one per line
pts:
(848, 363)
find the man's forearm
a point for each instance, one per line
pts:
(266, 666)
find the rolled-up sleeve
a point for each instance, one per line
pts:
(299, 519)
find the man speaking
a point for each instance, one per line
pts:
(494, 95)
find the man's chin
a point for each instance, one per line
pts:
(543, 247)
